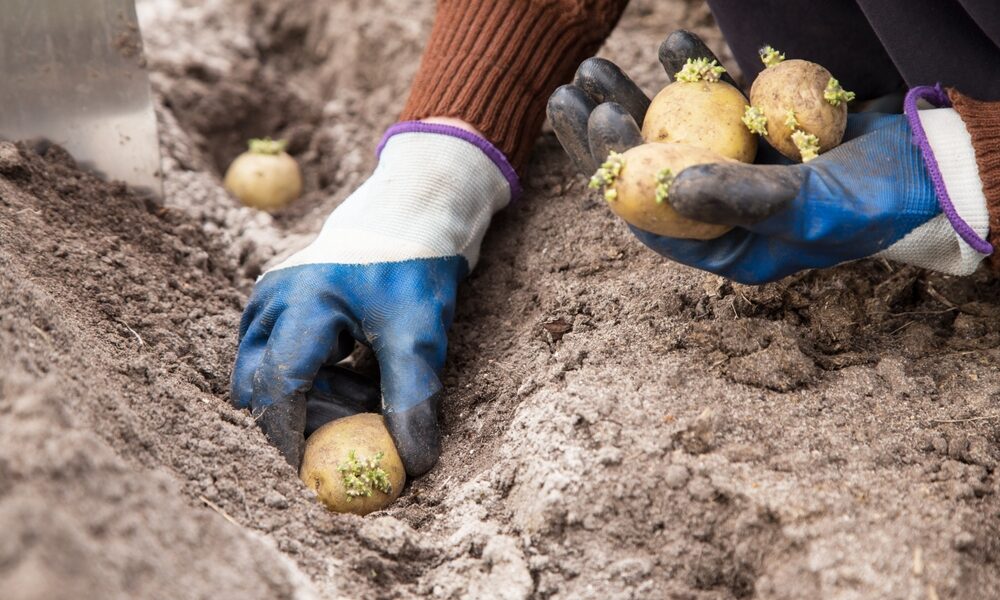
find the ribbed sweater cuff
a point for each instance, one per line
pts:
(494, 63)
(982, 119)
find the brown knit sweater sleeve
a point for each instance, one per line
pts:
(982, 119)
(493, 63)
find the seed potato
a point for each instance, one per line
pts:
(799, 87)
(703, 113)
(353, 465)
(264, 177)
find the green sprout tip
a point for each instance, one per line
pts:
(605, 176)
(770, 57)
(362, 477)
(790, 121)
(807, 143)
(755, 120)
(664, 177)
(700, 69)
(267, 146)
(834, 94)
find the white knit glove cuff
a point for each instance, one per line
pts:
(937, 243)
(432, 195)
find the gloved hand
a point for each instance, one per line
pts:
(873, 195)
(383, 271)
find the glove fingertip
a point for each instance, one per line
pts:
(417, 436)
(568, 110)
(674, 47)
(604, 81)
(682, 45)
(734, 194)
(695, 194)
(284, 425)
(612, 127)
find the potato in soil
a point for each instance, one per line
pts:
(264, 177)
(798, 86)
(353, 465)
(701, 113)
(638, 192)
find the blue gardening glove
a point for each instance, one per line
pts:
(383, 271)
(875, 194)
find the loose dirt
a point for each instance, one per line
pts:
(616, 426)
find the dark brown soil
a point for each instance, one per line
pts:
(617, 426)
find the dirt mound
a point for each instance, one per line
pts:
(616, 426)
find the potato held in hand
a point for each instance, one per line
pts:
(798, 106)
(353, 465)
(637, 186)
(265, 176)
(699, 109)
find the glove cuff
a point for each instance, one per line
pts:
(491, 151)
(954, 241)
(950, 159)
(432, 195)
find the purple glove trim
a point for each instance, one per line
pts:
(937, 96)
(483, 144)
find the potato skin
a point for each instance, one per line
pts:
(636, 187)
(705, 114)
(264, 181)
(328, 447)
(798, 85)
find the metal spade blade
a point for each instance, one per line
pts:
(72, 72)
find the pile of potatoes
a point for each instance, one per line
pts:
(796, 105)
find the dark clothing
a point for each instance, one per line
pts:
(874, 47)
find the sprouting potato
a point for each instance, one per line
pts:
(265, 176)
(798, 106)
(700, 110)
(636, 185)
(353, 465)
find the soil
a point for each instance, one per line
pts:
(616, 426)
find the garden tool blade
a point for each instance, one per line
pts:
(72, 73)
